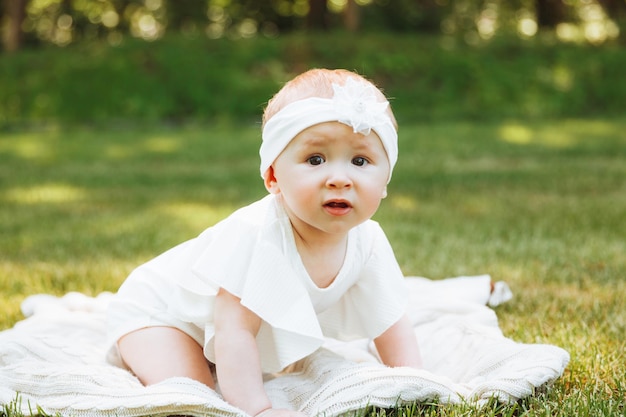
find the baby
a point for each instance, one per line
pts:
(263, 288)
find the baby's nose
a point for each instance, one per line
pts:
(338, 177)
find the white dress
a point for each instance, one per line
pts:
(252, 254)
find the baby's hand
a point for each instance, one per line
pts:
(280, 412)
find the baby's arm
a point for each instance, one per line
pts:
(236, 354)
(237, 359)
(398, 346)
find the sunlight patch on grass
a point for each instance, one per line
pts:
(565, 134)
(556, 138)
(161, 144)
(129, 148)
(516, 133)
(90, 276)
(44, 194)
(119, 151)
(28, 146)
(519, 134)
(403, 202)
(476, 206)
(195, 215)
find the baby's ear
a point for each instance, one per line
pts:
(271, 184)
(384, 192)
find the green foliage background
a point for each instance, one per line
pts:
(180, 78)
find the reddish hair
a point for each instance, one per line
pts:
(315, 83)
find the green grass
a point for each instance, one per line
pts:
(540, 205)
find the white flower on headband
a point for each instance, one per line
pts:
(357, 106)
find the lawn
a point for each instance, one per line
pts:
(540, 205)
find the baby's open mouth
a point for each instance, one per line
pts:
(337, 204)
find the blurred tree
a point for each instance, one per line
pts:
(549, 13)
(65, 21)
(116, 23)
(424, 16)
(317, 18)
(615, 9)
(14, 13)
(351, 16)
(185, 15)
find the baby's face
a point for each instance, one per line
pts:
(330, 178)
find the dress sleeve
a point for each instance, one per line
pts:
(376, 301)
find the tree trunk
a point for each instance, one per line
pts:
(615, 9)
(15, 13)
(316, 19)
(351, 16)
(549, 13)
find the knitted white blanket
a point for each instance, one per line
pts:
(55, 360)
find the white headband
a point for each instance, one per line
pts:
(354, 104)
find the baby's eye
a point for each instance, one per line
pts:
(315, 160)
(359, 161)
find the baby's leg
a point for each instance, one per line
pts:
(158, 353)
